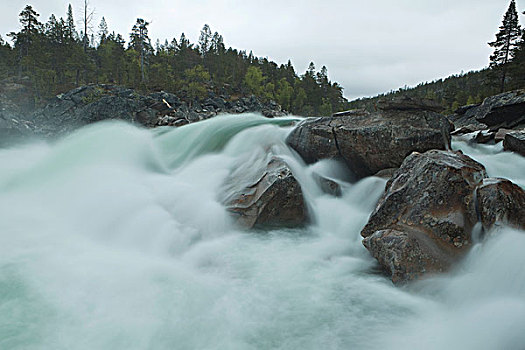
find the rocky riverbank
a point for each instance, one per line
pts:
(89, 104)
(499, 118)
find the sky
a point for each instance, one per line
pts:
(368, 46)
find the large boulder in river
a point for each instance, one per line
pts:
(499, 201)
(428, 204)
(515, 142)
(423, 222)
(504, 110)
(370, 142)
(269, 197)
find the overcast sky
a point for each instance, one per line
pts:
(368, 46)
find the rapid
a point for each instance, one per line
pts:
(114, 237)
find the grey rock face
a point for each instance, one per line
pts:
(515, 142)
(503, 110)
(89, 104)
(272, 198)
(407, 103)
(370, 142)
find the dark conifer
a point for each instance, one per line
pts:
(506, 42)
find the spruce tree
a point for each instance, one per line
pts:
(141, 42)
(506, 41)
(102, 30)
(71, 32)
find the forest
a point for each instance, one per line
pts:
(506, 72)
(57, 57)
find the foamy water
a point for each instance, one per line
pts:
(115, 238)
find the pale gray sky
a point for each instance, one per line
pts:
(369, 46)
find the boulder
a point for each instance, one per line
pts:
(423, 223)
(464, 109)
(430, 200)
(407, 103)
(327, 185)
(370, 142)
(271, 198)
(407, 255)
(515, 142)
(500, 134)
(500, 202)
(484, 136)
(503, 110)
(465, 120)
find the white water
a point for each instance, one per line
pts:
(115, 238)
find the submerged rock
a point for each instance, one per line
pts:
(370, 142)
(272, 198)
(327, 185)
(515, 142)
(430, 200)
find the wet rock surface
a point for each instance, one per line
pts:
(503, 110)
(500, 202)
(506, 110)
(515, 142)
(272, 197)
(430, 199)
(423, 222)
(407, 255)
(370, 142)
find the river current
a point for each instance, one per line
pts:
(114, 237)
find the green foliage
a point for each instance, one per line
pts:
(254, 80)
(197, 78)
(326, 108)
(53, 56)
(507, 40)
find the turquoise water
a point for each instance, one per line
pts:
(115, 238)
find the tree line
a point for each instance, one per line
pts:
(506, 72)
(57, 57)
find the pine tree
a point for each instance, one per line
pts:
(506, 42)
(71, 32)
(517, 66)
(102, 30)
(205, 40)
(141, 42)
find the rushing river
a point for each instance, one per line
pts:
(114, 237)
